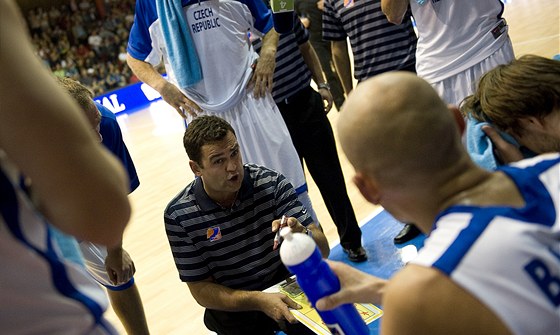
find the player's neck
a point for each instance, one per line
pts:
(486, 189)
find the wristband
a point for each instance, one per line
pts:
(324, 85)
(307, 232)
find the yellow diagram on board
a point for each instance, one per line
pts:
(309, 316)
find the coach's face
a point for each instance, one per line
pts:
(221, 169)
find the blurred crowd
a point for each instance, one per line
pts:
(84, 42)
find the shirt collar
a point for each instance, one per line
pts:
(207, 204)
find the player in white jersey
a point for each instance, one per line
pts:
(219, 30)
(491, 261)
(41, 292)
(507, 258)
(458, 41)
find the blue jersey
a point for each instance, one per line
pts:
(508, 258)
(112, 140)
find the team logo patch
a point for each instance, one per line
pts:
(348, 3)
(213, 234)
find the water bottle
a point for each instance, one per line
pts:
(302, 257)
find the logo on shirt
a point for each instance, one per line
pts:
(204, 19)
(213, 234)
(348, 3)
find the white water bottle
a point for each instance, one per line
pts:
(302, 257)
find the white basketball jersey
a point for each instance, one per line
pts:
(507, 258)
(41, 293)
(454, 35)
(220, 34)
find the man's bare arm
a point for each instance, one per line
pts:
(215, 296)
(341, 61)
(263, 76)
(81, 187)
(169, 92)
(355, 287)
(394, 10)
(312, 61)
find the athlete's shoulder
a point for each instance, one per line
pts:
(452, 310)
(105, 112)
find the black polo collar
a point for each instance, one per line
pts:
(207, 204)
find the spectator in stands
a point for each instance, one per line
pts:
(55, 36)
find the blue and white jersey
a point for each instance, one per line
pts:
(219, 29)
(455, 35)
(508, 258)
(41, 292)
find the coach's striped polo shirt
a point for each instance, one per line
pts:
(377, 45)
(232, 245)
(291, 74)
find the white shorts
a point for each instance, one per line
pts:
(456, 88)
(94, 259)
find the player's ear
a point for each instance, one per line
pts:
(459, 120)
(531, 124)
(367, 187)
(195, 168)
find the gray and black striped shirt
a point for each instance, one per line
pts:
(232, 245)
(378, 46)
(291, 74)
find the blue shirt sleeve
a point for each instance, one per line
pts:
(139, 40)
(112, 140)
(261, 13)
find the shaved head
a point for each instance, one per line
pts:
(395, 128)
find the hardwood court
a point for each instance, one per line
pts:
(154, 137)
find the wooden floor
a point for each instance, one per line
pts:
(154, 137)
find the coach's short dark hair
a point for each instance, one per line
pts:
(204, 130)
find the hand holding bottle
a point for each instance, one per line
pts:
(355, 287)
(302, 257)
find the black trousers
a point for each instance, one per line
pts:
(253, 322)
(324, 53)
(314, 141)
(249, 323)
